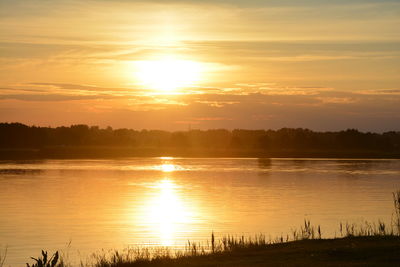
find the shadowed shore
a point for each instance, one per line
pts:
(118, 152)
(349, 251)
(19, 141)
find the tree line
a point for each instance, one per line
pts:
(20, 136)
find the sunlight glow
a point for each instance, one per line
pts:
(166, 212)
(168, 167)
(168, 74)
(167, 158)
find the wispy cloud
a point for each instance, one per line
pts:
(394, 92)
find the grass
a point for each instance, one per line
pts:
(3, 257)
(396, 216)
(45, 261)
(368, 244)
(359, 244)
(348, 251)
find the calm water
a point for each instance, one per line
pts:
(82, 206)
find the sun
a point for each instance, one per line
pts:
(167, 75)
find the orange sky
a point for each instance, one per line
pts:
(324, 65)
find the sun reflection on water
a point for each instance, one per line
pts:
(166, 213)
(168, 167)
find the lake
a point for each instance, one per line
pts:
(83, 206)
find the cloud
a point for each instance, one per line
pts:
(53, 97)
(394, 92)
(217, 104)
(67, 86)
(336, 100)
(327, 110)
(213, 119)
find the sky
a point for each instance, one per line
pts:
(201, 64)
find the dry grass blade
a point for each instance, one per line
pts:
(396, 219)
(3, 257)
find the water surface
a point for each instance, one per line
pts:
(82, 206)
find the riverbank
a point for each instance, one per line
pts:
(348, 251)
(90, 152)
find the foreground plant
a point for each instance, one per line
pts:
(45, 261)
(396, 219)
(3, 257)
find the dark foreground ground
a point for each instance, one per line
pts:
(350, 251)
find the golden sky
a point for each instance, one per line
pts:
(324, 65)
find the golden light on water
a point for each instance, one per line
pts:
(167, 75)
(166, 212)
(168, 167)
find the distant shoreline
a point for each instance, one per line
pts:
(19, 141)
(122, 152)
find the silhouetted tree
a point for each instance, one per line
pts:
(20, 136)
